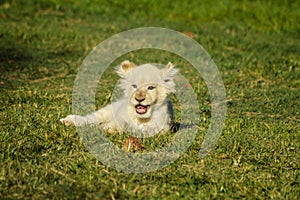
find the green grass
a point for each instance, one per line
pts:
(256, 47)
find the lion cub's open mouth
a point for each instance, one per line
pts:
(140, 109)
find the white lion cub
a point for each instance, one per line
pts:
(144, 107)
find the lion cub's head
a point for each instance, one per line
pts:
(146, 86)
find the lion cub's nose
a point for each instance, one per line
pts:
(140, 96)
(139, 99)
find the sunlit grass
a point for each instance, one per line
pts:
(256, 46)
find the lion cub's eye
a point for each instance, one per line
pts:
(151, 88)
(134, 85)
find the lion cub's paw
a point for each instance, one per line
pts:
(69, 120)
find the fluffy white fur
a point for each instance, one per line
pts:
(144, 107)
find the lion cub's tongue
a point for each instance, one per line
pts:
(141, 109)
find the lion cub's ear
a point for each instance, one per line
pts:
(169, 72)
(169, 65)
(168, 75)
(125, 67)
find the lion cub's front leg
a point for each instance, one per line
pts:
(101, 116)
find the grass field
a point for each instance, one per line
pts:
(256, 46)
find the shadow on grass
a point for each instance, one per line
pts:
(13, 56)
